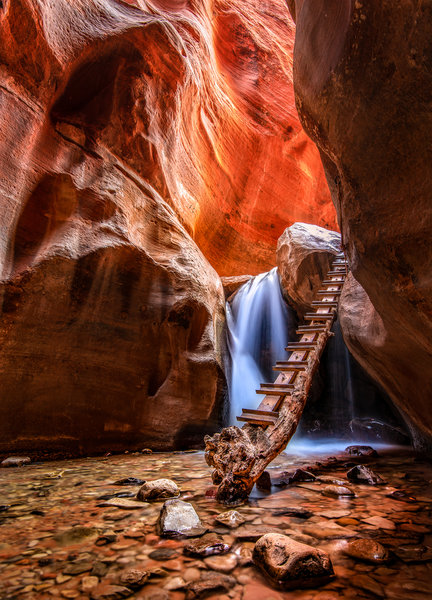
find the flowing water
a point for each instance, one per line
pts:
(260, 324)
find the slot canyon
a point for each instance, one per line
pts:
(216, 299)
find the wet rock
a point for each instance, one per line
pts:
(210, 583)
(224, 564)
(156, 595)
(291, 564)
(15, 461)
(367, 550)
(107, 537)
(402, 496)
(364, 582)
(328, 531)
(230, 518)
(134, 578)
(88, 584)
(179, 518)
(337, 490)
(245, 558)
(331, 480)
(413, 554)
(380, 522)
(361, 451)
(176, 583)
(362, 474)
(99, 569)
(264, 482)
(302, 475)
(77, 568)
(124, 503)
(300, 513)
(252, 533)
(206, 546)
(75, 535)
(110, 592)
(129, 481)
(163, 554)
(160, 489)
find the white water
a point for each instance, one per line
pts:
(259, 323)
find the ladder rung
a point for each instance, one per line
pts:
(260, 413)
(264, 421)
(282, 367)
(290, 386)
(273, 392)
(332, 282)
(300, 346)
(324, 303)
(312, 329)
(319, 316)
(329, 273)
(329, 293)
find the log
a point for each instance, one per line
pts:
(240, 456)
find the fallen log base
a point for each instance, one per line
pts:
(240, 456)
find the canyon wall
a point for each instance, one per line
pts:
(139, 143)
(363, 83)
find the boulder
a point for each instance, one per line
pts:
(291, 564)
(359, 76)
(179, 518)
(362, 474)
(304, 255)
(159, 489)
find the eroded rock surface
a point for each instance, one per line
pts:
(363, 82)
(304, 255)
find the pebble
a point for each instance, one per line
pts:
(134, 578)
(88, 583)
(179, 518)
(380, 522)
(159, 489)
(176, 583)
(367, 550)
(223, 564)
(208, 545)
(106, 591)
(337, 490)
(230, 518)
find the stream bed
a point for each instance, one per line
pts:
(59, 540)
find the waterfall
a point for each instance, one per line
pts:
(259, 326)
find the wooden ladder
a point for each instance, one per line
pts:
(317, 322)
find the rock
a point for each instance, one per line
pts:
(208, 545)
(157, 595)
(413, 554)
(291, 564)
(88, 584)
(302, 475)
(252, 533)
(232, 284)
(210, 583)
(108, 537)
(76, 568)
(16, 461)
(78, 234)
(264, 482)
(362, 474)
(380, 522)
(163, 554)
(293, 511)
(372, 200)
(124, 503)
(230, 518)
(304, 255)
(337, 490)
(367, 550)
(361, 451)
(223, 564)
(402, 496)
(134, 578)
(106, 591)
(160, 489)
(76, 534)
(129, 481)
(328, 531)
(179, 518)
(176, 583)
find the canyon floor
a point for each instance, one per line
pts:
(61, 538)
